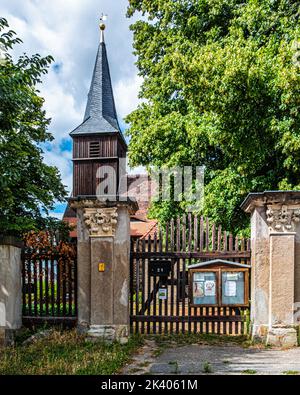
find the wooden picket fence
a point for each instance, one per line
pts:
(49, 287)
(182, 242)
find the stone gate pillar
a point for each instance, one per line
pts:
(10, 289)
(275, 260)
(103, 237)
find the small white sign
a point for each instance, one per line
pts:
(230, 288)
(232, 276)
(162, 293)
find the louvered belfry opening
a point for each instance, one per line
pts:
(94, 149)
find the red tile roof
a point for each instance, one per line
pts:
(73, 223)
(140, 229)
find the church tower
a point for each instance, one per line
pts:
(98, 142)
(103, 223)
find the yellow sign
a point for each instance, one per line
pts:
(101, 267)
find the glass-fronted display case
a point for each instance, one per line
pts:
(219, 283)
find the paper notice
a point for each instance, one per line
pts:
(230, 288)
(232, 276)
(199, 276)
(210, 288)
(198, 289)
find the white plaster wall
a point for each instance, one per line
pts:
(10, 287)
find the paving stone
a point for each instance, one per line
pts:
(163, 368)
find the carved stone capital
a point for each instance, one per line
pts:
(94, 202)
(282, 218)
(101, 222)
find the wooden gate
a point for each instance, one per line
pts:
(49, 286)
(159, 298)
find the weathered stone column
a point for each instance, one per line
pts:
(260, 272)
(275, 259)
(103, 236)
(10, 289)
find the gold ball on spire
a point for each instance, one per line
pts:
(102, 26)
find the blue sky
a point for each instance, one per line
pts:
(69, 31)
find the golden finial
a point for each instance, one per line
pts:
(103, 18)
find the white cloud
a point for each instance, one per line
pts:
(68, 30)
(135, 170)
(56, 215)
(61, 107)
(62, 160)
(126, 92)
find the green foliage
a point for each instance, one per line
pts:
(291, 372)
(207, 368)
(28, 186)
(249, 371)
(58, 310)
(182, 339)
(58, 230)
(221, 89)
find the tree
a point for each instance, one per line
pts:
(28, 186)
(221, 89)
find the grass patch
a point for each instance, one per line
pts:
(249, 371)
(164, 341)
(66, 352)
(23, 334)
(175, 364)
(207, 368)
(135, 370)
(291, 372)
(144, 364)
(298, 334)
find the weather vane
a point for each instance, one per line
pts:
(103, 18)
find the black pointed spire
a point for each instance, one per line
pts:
(100, 114)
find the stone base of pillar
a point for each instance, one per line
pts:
(282, 336)
(7, 337)
(82, 327)
(259, 332)
(109, 333)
